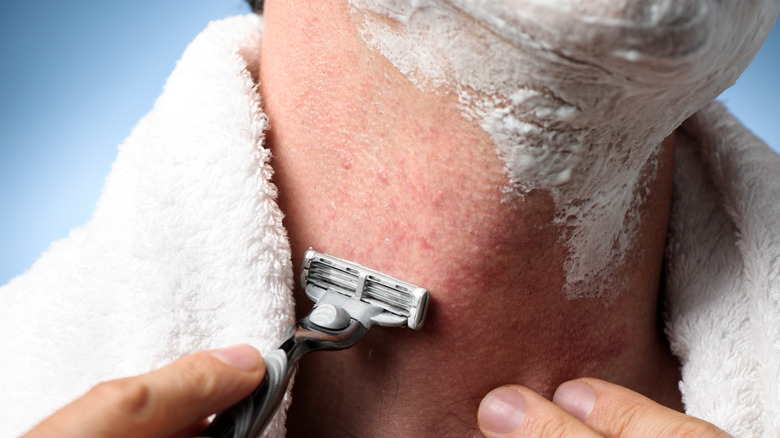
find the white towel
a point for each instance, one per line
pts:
(186, 251)
(723, 275)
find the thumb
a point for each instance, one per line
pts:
(161, 402)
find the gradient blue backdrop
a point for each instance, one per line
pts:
(75, 77)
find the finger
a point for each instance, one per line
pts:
(615, 411)
(193, 430)
(162, 402)
(516, 411)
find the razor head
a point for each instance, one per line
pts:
(368, 296)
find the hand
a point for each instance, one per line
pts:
(584, 408)
(173, 401)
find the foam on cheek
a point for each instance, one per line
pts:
(576, 95)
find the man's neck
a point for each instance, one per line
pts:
(374, 170)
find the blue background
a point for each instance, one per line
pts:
(76, 75)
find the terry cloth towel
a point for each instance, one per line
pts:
(186, 251)
(723, 274)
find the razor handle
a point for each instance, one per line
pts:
(249, 417)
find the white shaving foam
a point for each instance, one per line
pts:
(576, 95)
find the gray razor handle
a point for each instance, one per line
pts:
(249, 417)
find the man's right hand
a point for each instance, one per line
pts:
(173, 401)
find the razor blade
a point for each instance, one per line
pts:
(367, 295)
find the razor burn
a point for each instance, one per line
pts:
(349, 299)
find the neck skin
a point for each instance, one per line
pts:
(374, 170)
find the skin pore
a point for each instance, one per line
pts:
(374, 169)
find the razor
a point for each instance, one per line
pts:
(349, 299)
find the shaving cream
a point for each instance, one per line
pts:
(576, 95)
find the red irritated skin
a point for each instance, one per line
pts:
(373, 170)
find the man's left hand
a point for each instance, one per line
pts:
(585, 408)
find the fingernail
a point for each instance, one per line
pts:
(576, 398)
(239, 356)
(501, 411)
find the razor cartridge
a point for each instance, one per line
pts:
(398, 303)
